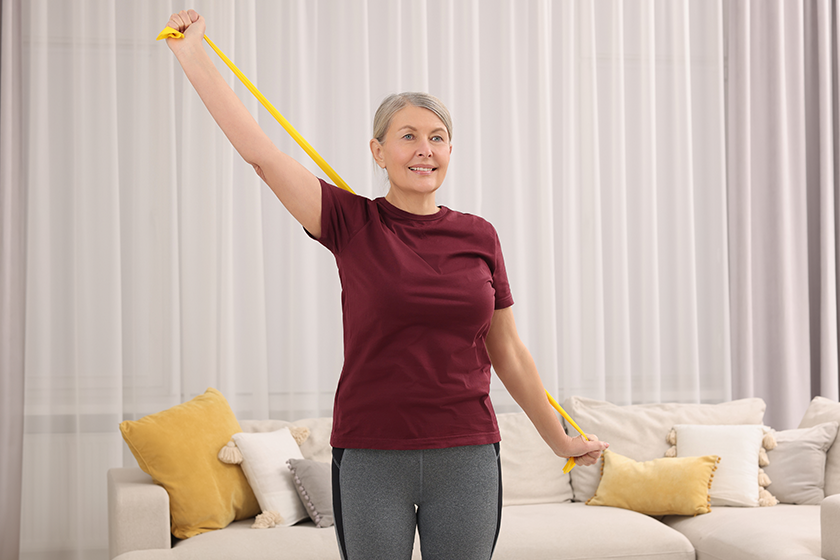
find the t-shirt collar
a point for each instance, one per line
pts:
(402, 214)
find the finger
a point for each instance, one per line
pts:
(585, 460)
(180, 21)
(174, 22)
(193, 15)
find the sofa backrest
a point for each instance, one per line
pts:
(640, 431)
(531, 473)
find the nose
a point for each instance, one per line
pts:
(424, 149)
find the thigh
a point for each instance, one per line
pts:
(459, 514)
(373, 503)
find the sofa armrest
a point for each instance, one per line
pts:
(138, 512)
(829, 521)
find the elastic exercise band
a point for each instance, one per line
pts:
(316, 157)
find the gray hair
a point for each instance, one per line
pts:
(396, 101)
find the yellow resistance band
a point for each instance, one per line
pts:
(316, 157)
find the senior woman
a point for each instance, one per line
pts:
(427, 310)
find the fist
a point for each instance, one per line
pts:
(190, 24)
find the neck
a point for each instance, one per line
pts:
(422, 204)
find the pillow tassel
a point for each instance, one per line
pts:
(769, 441)
(230, 454)
(763, 479)
(766, 499)
(267, 520)
(299, 433)
(672, 438)
(763, 461)
(672, 451)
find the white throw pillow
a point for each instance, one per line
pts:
(819, 411)
(736, 479)
(638, 431)
(264, 457)
(797, 464)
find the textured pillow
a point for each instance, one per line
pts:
(736, 481)
(313, 482)
(658, 487)
(823, 410)
(637, 431)
(264, 457)
(531, 472)
(177, 448)
(797, 464)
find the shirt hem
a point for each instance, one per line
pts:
(404, 444)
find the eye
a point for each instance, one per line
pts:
(437, 138)
(408, 136)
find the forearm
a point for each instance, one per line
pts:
(522, 380)
(224, 106)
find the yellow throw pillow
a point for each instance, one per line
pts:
(678, 486)
(178, 448)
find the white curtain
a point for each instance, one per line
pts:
(591, 134)
(782, 134)
(12, 279)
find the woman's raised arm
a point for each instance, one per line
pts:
(297, 188)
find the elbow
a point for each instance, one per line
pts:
(258, 170)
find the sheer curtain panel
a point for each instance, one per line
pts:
(782, 133)
(12, 278)
(156, 264)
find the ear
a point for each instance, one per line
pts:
(376, 150)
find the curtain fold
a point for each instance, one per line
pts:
(591, 134)
(782, 190)
(12, 278)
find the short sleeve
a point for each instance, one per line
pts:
(504, 297)
(343, 214)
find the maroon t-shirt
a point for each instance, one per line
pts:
(418, 294)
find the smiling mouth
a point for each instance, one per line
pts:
(422, 169)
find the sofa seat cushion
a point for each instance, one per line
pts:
(575, 531)
(238, 540)
(783, 532)
(570, 531)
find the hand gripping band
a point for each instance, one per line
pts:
(570, 464)
(316, 157)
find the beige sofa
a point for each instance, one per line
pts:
(544, 514)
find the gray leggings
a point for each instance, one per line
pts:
(453, 497)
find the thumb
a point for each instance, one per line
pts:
(594, 445)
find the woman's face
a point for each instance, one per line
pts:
(415, 151)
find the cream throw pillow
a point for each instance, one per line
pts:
(823, 410)
(638, 431)
(736, 480)
(658, 487)
(264, 457)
